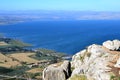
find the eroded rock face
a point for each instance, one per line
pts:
(112, 45)
(57, 72)
(117, 65)
(92, 62)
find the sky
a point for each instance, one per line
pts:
(68, 5)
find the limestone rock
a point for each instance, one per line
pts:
(77, 71)
(91, 62)
(112, 45)
(57, 72)
(117, 65)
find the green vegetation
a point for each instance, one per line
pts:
(4, 70)
(50, 55)
(18, 59)
(114, 78)
(18, 43)
(13, 42)
(23, 62)
(18, 70)
(72, 68)
(13, 46)
(78, 77)
(49, 52)
(14, 79)
(44, 51)
(32, 75)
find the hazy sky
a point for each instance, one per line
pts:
(84, 5)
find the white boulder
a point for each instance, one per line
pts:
(112, 45)
(92, 62)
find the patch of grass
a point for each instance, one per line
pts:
(114, 78)
(24, 57)
(31, 75)
(78, 77)
(4, 58)
(72, 68)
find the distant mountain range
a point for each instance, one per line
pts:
(21, 16)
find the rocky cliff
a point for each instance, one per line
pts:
(96, 62)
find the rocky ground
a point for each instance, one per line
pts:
(96, 62)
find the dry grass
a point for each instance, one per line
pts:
(4, 58)
(7, 62)
(13, 63)
(35, 70)
(78, 77)
(3, 43)
(15, 59)
(10, 64)
(24, 57)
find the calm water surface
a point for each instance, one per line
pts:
(63, 36)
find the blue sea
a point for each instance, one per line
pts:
(63, 36)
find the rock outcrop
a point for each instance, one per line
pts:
(96, 62)
(60, 71)
(92, 62)
(112, 45)
(117, 65)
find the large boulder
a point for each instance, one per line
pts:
(92, 62)
(112, 45)
(87, 55)
(60, 71)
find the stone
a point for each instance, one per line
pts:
(77, 71)
(92, 63)
(57, 72)
(112, 45)
(117, 65)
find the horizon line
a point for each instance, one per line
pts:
(59, 10)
